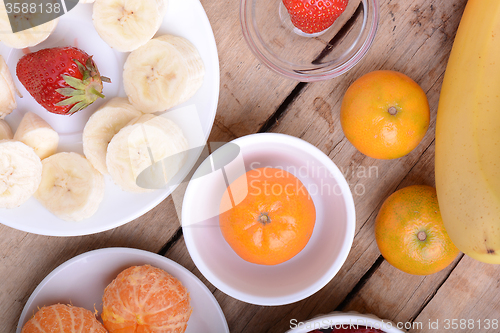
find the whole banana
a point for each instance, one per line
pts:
(468, 135)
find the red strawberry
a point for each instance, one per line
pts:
(63, 80)
(311, 16)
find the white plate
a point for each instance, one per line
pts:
(308, 271)
(185, 18)
(81, 282)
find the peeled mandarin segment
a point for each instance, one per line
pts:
(61, 318)
(275, 220)
(142, 298)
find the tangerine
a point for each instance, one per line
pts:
(385, 114)
(410, 233)
(275, 220)
(145, 299)
(60, 318)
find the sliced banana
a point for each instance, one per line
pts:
(26, 38)
(125, 25)
(138, 146)
(5, 131)
(70, 188)
(37, 133)
(102, 126)
(165, 72)
(20, 173)
(8, 90)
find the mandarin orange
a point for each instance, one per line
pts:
(384, 114)
(60, 318)
(145, 299)
(275, 220)
(410, 232)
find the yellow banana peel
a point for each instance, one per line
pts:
(468, 135)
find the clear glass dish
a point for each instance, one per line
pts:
(304, 57)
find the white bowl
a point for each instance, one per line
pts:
(304, 274)
(351, 320)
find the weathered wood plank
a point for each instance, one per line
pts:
(469, 299)
(245, 102)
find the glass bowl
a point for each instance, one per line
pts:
(304, 57)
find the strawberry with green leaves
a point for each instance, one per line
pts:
(312, 16)
(63, 80)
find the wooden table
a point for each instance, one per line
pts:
(414, 37)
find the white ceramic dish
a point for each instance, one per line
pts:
(184, 18)
(81, 282)
(308, 271)
(347, 320)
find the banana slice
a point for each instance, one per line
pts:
(139, 145)
(8, 90)
(165, 72)
(127, 24)
(25, 38)
(36, 133)
(5, 131)
(102, 126)
(70, 188)
(20, 173)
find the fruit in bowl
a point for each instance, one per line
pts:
(273, 222)
(313, 16)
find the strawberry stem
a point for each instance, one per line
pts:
(95, 92)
